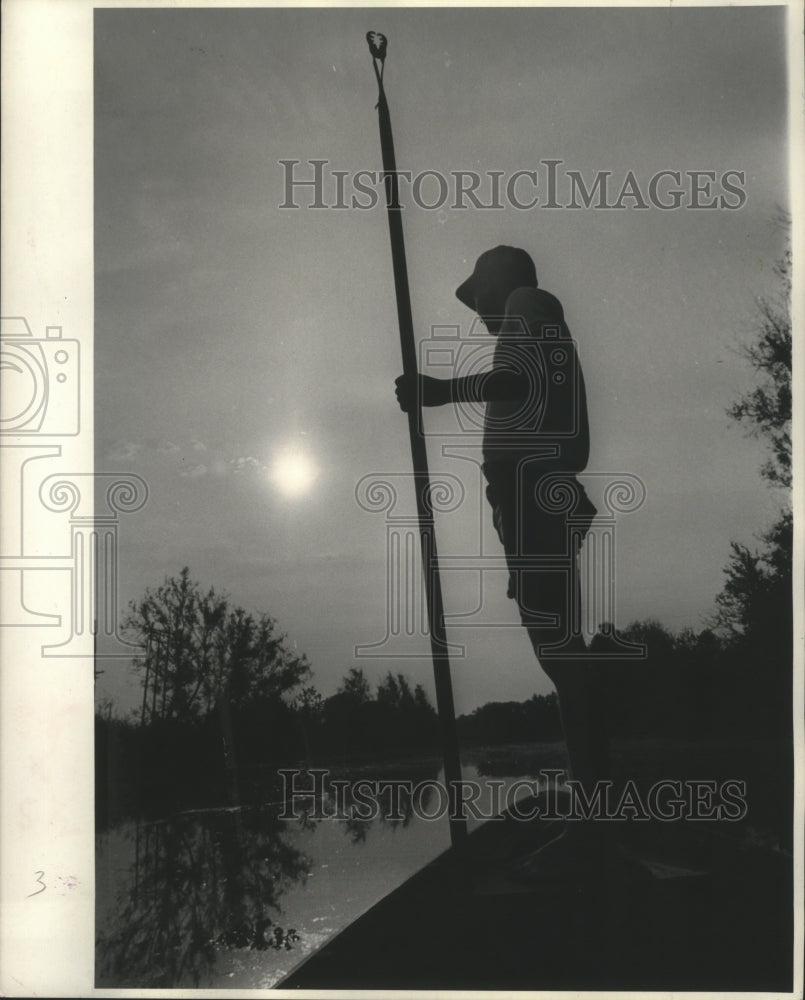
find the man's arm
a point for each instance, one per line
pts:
(480, 388)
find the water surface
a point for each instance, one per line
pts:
(238, 896)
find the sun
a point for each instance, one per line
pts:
(293, 472)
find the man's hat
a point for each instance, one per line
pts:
(502, 267)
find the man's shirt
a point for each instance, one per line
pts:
(550, 423)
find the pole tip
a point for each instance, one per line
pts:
(377, 44)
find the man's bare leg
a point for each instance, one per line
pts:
(581, 691)
(582, 704)
(580, 687)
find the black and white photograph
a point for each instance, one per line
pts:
(427, 614)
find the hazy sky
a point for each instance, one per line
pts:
(228, 330)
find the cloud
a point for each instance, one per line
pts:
(246, 464)
(186, 456)
(220, 468)
(124, 451)
(195, 471)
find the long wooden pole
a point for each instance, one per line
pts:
(427, 533)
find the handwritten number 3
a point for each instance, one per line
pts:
(39, 877)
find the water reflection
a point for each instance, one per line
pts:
(206, 883)
(520, 762)
(386, 797)
(199, 883)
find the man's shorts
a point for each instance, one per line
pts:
(539, 516)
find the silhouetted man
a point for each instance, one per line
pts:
(535, 441)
